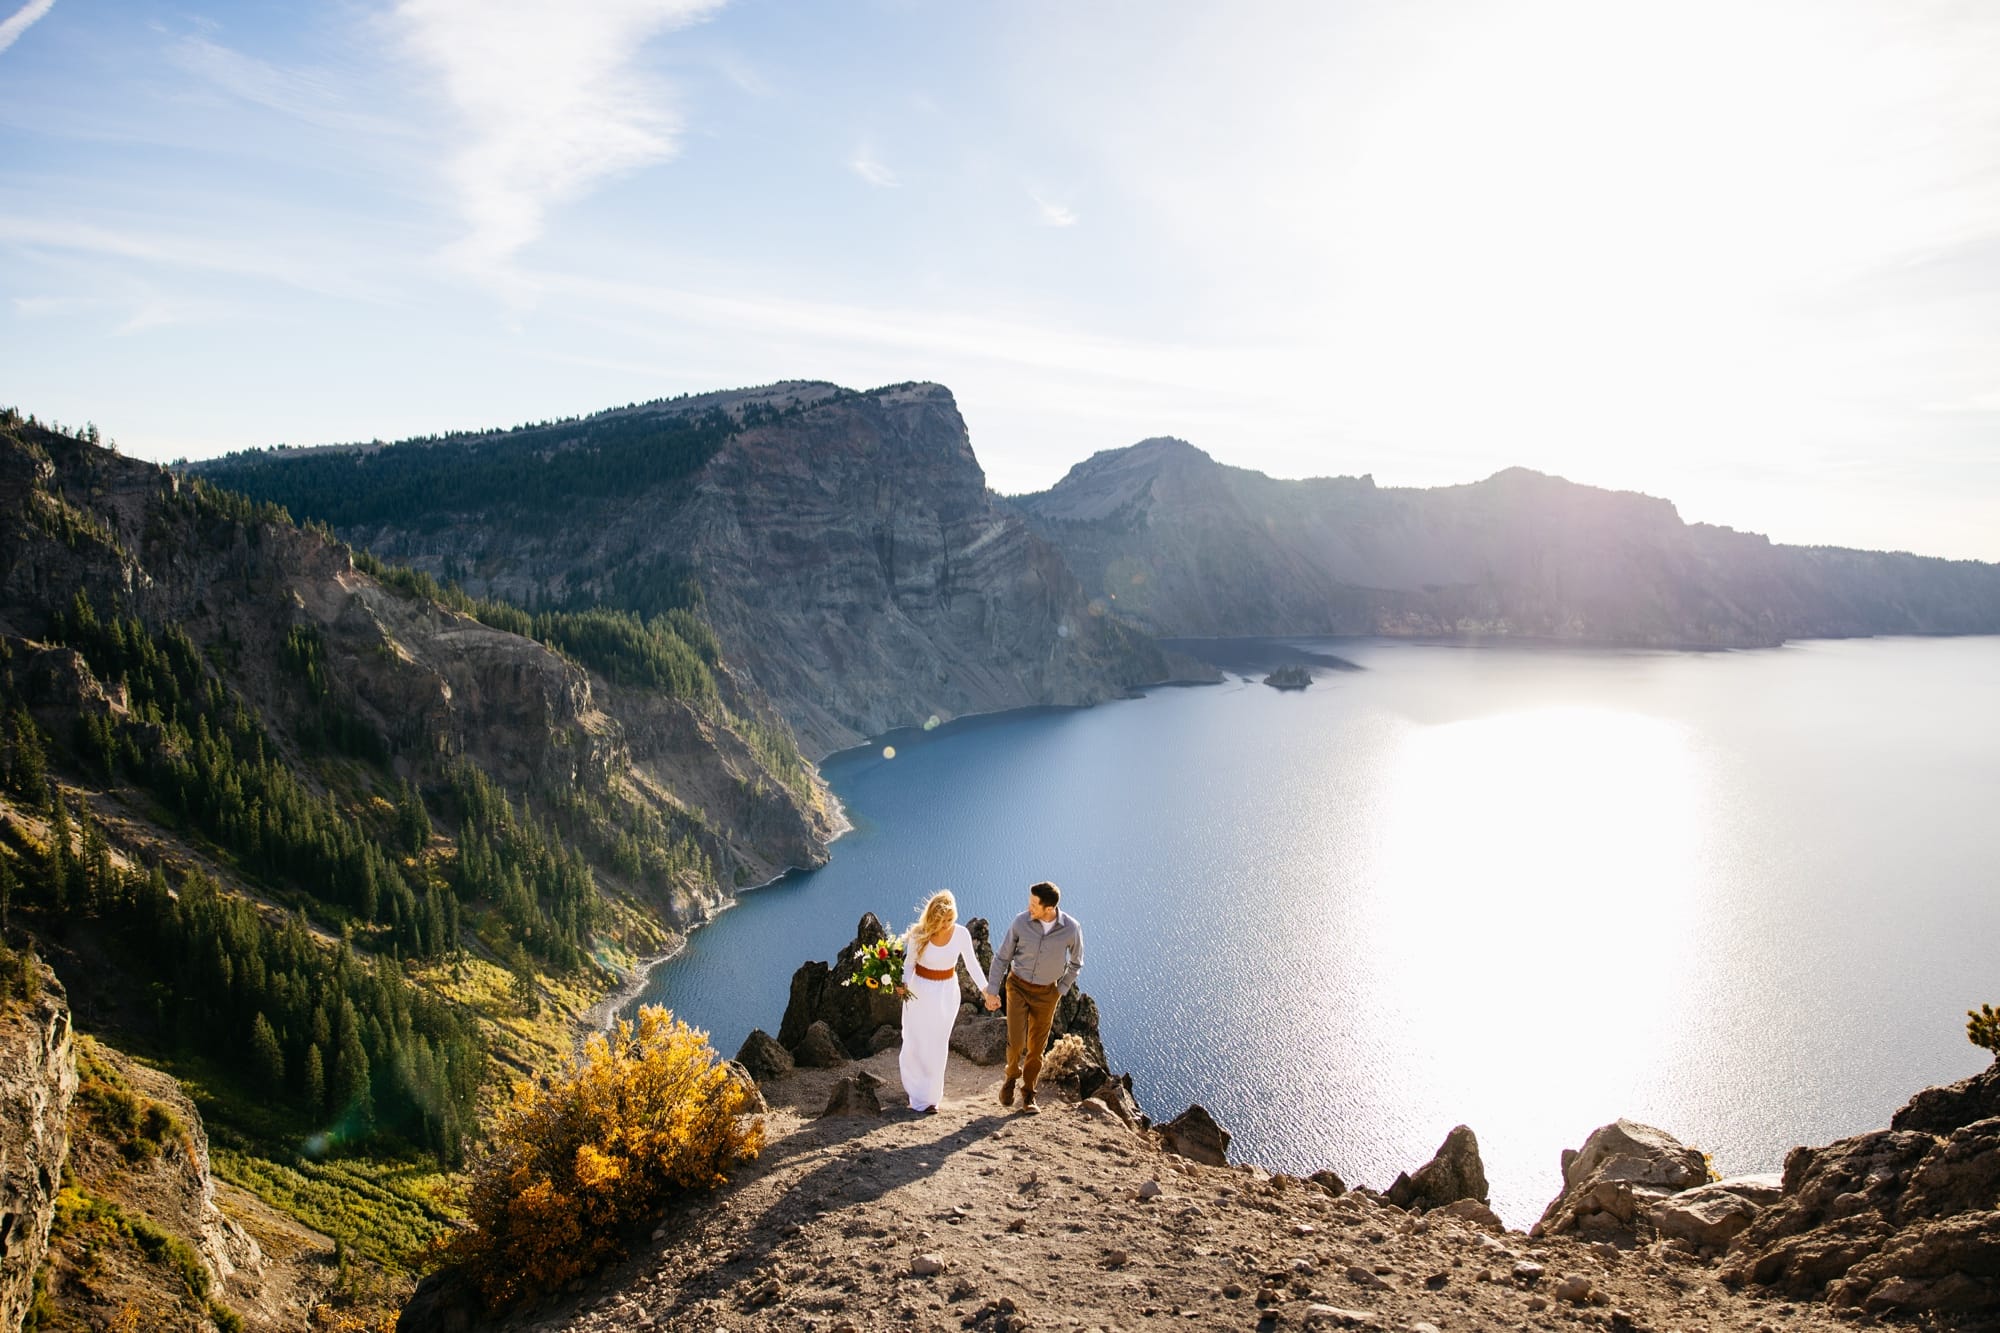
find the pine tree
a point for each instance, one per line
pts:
(268, 1056)
(315, 1081)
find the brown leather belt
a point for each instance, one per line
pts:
(1015, 979)
(934, 974)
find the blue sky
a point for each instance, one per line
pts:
(1743, 255)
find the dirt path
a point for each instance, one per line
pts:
(1054, 1222)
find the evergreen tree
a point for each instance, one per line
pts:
(267, 1056)
(315, 1088)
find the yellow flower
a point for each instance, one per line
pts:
(874, 984)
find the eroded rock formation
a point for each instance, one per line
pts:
(37, 1082)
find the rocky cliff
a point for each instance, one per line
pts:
(845, 546)
(322, 649)
(1187, 546)
(37, 1084)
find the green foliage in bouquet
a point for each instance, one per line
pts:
(880, 967)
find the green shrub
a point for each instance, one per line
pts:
(1983, 1027)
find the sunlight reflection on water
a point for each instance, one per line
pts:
(1745, 897)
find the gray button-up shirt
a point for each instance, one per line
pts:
(1040, 956)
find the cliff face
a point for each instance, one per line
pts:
(856, 564)
(1187, 546)
(37, 1084)
(847, 551)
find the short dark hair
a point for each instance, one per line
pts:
(1048, 894)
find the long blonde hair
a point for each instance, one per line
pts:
(939, 908)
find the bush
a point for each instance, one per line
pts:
(1983, 1027)
(577, 1158)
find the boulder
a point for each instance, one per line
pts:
(753, 1096)
(1329, 1182)
(763, 1057)
(854, 1095)
(887, 1037)
(819, 1048)
(1711, 1215)
(1953, 1106)
(1193, 1134)
(1454, 1173)
(1115, 1097)
(981, 1040)
(1897, 1220)
(447, 1301)
(1473, 1213)
(1623, 1169)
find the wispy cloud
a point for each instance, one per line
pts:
(550, 104)
(868, 165)
(1053, 214)
(23, 18)
(302, 94)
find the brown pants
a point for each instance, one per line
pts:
(1031, 1010)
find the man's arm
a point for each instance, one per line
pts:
(1003, 961)
(1068, 978)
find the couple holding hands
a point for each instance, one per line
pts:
(1034, 966)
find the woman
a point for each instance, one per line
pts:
(936, 945)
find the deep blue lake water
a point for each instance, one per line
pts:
(1746, 897)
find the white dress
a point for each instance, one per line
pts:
(931, 1011)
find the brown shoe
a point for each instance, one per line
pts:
(1028, 1106)
(1007, 1093)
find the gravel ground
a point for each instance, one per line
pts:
(982, 1218)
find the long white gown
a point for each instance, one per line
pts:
(931, 1011)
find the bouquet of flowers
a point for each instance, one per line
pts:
(880, 967)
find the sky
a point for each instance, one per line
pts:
(1743, 255)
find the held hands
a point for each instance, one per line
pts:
(992, 1002)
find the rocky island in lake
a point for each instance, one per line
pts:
(1289, 678)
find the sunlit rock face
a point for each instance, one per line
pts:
(855, 562)
(1187, 546)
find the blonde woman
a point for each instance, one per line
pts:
(937, 944)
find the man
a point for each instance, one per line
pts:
(1036, 964)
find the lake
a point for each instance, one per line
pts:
(1744, 896)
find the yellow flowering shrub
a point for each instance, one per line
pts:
(577, 1159)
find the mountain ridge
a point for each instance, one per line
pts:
(844, 545)
(1187, 546)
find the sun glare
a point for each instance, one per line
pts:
(1506, 866)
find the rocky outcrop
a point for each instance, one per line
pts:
(1454, 1173)
(1193, 1134)
(1622, 1169)
(37, 1082)
(1953, 1106)
(818, 1049)
(820, 994)
(1899, 1220)
(1708, 1217)
(1187, 546)
(763, 1057)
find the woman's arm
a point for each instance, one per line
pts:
(971, 957)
